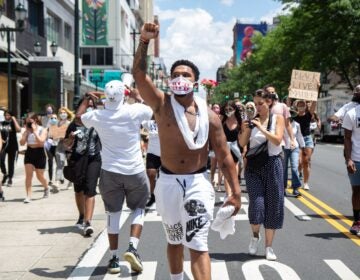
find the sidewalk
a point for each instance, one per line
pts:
(39, 240)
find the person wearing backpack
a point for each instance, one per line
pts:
(264, 173)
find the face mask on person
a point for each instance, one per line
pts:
(63, 116)
(49, 111)
(89, 109)
(53, 121)
(181, 86)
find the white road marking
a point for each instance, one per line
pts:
(218, 270)
(296, 211)
(148, 273)
(341, 270)
(91, 259)
(251, 270)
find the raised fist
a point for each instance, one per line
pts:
(149, 31)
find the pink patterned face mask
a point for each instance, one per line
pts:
(181, 86)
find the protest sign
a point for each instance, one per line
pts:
(57, 132)
(304, 85)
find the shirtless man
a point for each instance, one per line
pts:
(184, 197)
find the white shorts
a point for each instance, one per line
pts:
(186, 205)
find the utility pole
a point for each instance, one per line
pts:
(77, 80)
(134, 33)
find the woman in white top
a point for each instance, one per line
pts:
(265, 183)
(35, 159)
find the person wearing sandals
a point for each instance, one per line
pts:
(35, 159)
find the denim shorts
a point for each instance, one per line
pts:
(355, 178)
(309, 143)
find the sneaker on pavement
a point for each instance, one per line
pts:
(296, 192)
(62, 181)
(254, 244)
(132, 257)
(355, 228)
(88, 229)
(54, 188)
(80, 223)
(2, 198)
(270, 255)
(151, 201)
(27, 200)
(46, 193)
(4, 179)
(306, 187)
(9, 183)
(114, 266)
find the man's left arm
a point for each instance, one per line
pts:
(226, 163)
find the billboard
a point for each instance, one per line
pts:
(243, 44)
(94, 22)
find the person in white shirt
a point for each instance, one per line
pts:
(293, 154)
(351, 125)
(340, 114)
(123, 173)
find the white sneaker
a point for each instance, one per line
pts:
(270, 255)
(306, 186)
(54, 188)
(27, 200)
(253, 246)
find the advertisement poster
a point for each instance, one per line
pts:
(94, 22)
(243, 35)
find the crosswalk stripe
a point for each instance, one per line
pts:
(341, 270)
(296, 211)
(218, 270)
(148, 273)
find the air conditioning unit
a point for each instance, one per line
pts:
(134, 4)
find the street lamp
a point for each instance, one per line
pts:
(20, 15)
(37, 48)
(54, 48)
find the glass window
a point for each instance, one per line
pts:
(53, 24)
(108, 56)
(67, 37)
(97, 56)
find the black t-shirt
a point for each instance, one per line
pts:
(231, 135)
(304, 122)
(8, 135)
(81, 140)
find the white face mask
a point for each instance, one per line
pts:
(229, 114)
(63, 116)
(181, 85)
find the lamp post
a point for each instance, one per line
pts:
(53, 48)
(37, 48)
(20, 15)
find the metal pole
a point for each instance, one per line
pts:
(76, 54)
(9, 70)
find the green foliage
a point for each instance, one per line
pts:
(317, 35)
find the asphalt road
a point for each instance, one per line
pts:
(313, 244)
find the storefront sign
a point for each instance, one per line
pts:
(6, 22)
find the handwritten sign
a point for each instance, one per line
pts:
(304, 85)
(57, 132)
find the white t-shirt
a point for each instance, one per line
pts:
(154, 141)
(299, 139)
(352, 122)
(119, 133)
(257, 138)
(344, 109)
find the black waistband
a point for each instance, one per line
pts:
(167, 171)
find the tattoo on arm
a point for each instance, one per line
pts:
(140, 58)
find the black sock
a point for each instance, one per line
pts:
(356, 215)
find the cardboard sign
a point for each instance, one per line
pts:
(57, 132)
(304, 85)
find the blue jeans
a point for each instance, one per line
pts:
(293, 155)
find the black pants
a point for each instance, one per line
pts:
(11, 162)
(51, 156)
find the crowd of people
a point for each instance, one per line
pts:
(252, 140)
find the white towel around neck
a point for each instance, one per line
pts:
(194, 139)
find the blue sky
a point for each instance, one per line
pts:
(201, 30)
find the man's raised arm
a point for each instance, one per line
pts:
(152, 96)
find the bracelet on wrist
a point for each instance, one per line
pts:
(146, 42)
